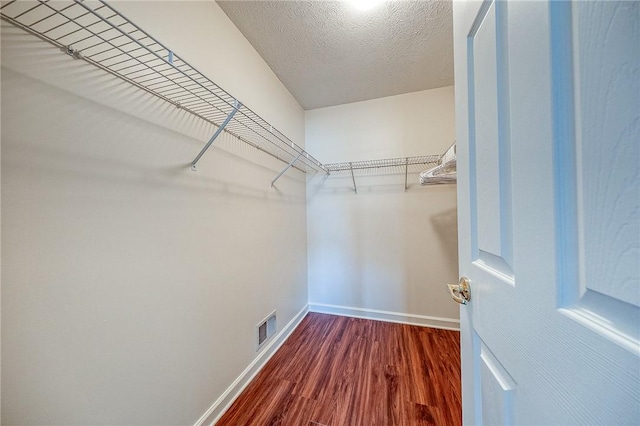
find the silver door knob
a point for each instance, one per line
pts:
(460, 292)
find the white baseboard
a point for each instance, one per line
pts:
(223, 403)
(374, 314)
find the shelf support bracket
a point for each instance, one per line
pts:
(236, 107)
(406, 173)
(285, 169)
(355, 188)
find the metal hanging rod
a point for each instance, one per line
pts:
(95, 32)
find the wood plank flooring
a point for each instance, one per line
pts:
(342, 371)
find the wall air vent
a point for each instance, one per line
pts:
(266, 329)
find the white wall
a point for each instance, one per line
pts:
(383, 249)
(131, 285)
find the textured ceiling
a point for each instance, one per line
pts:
(329, 53)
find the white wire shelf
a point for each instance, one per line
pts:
(95, 32)
(382, 163)
(402, 163)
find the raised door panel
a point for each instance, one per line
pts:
(498, 391)
(597, 166)
(490, 208)
(490, 142)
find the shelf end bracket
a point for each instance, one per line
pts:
(406, 173)
(355, 188)
(236, 107)
(286, 168)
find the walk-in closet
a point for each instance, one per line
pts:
(171, 212)
(345, 213)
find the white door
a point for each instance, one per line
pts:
(548, 133)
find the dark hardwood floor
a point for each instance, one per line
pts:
(342, 371)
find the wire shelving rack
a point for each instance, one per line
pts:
(93, 31)
(403, 163)
(382, 163)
